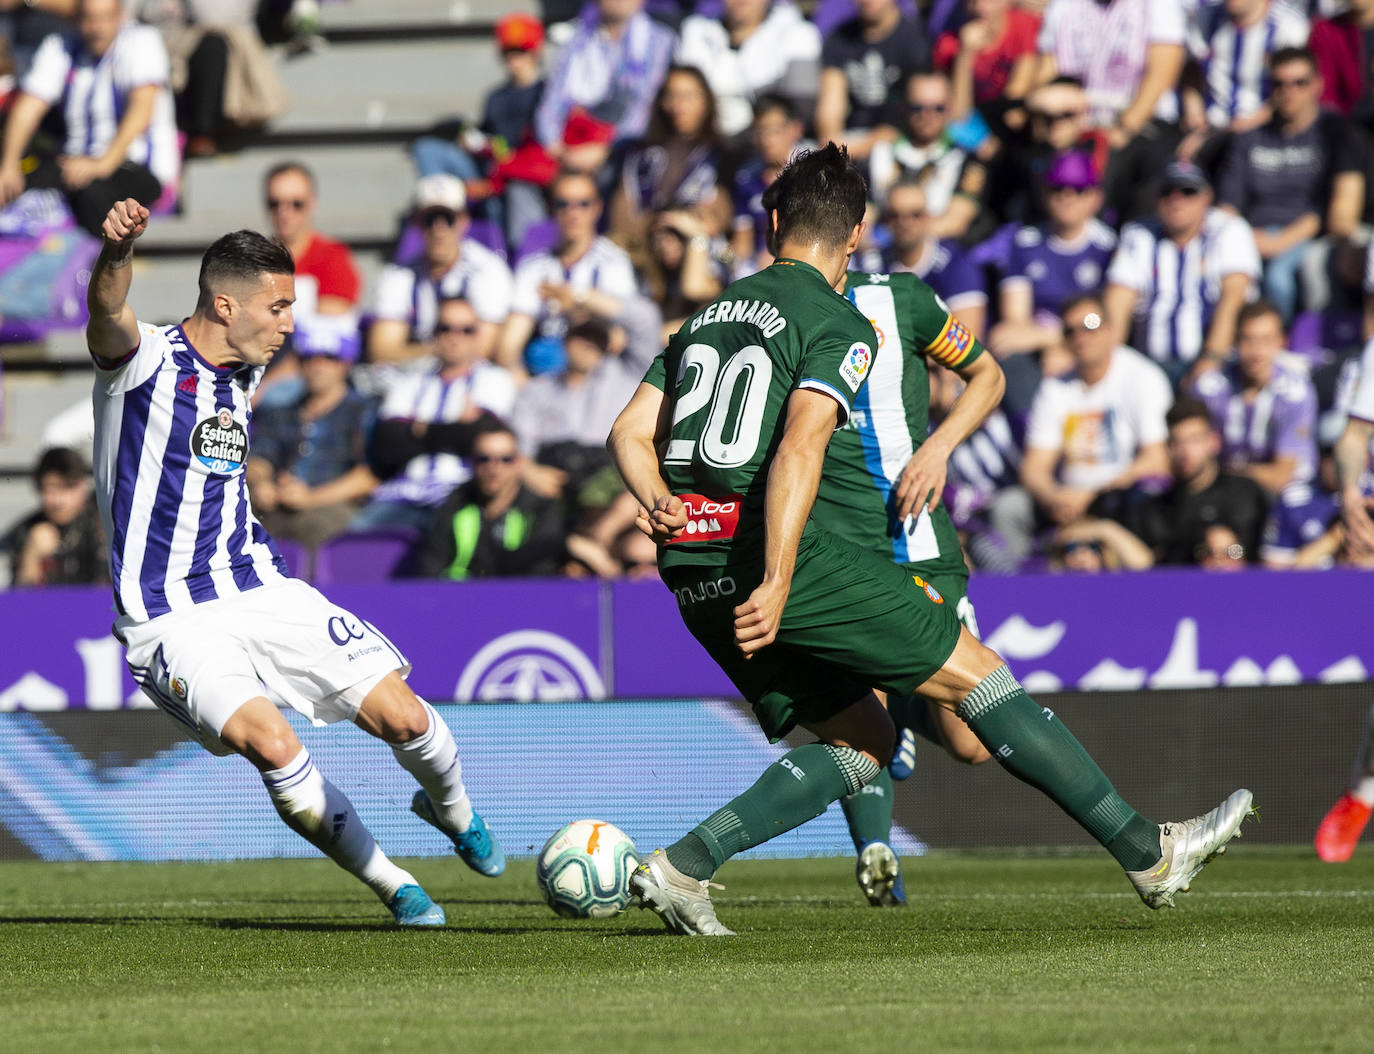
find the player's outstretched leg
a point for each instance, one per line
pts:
(424, 746)
(1033, 745)
(321, 813)
(1343, 824)
(799, 786)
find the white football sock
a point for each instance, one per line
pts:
(322, 814)
(1362, 782)
(433, 760)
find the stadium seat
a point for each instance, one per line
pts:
(540, 236)
(366, 557)
(1314, 334)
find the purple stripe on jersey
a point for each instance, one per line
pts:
(132, 427)
(167, 503)
(261, 537)
(1176, 351)
(198, 579)
(1237, 54)
(241, 563)
(1271, 28)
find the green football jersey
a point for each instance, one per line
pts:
(728, 373)
(889, 421)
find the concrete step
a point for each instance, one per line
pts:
(363, 190)
(374, 14)
(32, 400)
(387, 85)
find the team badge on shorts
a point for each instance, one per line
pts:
(855, 366)
(220, 443)
(931, 591)
(179, 688)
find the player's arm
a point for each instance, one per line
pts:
(793, 479)
(923, 480)
(633, 445)
(112, 330)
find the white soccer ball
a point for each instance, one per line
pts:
(584, 870)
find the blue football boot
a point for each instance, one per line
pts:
(411, 906)
(476, 846)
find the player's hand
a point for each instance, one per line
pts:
(758, 618)
(666, 520)
(922, 482)
(125, 221)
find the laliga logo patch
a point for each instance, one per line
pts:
(855, 366)
(220, 443)
(931, 591)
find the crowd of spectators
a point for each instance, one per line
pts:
(1152, 212)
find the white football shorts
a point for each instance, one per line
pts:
(283, 641)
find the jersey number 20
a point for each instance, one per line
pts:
(730, 435)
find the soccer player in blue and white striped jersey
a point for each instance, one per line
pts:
(215, 632)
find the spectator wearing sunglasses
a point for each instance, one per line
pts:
(493, 525)
(327, 281)
(1180, 278)
(954, 179)
(307, 474)
(452, 266)
(583, 271)
(422, 444)
(1299, 180)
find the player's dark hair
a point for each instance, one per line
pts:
(819, 196)
(241, 256)
(1258, 309)
(1186, 408)
(62, 462)
(1283, 56)
(285, 167)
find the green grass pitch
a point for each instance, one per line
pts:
(1273, 951)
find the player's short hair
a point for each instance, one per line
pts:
(1186, 408)
(240, 257)
(1258, 309)
(62, 462)
(289, 166)
(819, 195)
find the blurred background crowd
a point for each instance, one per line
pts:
(1156, 214)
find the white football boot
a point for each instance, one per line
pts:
(1189, 846)
(682, 902)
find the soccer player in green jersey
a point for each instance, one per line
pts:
(722, 444)
(880, 488)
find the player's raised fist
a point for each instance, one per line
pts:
(125, 221)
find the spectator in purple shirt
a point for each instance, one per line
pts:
(942, 265)
(1264, 404)
(1049, 265)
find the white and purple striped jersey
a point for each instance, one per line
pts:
(171, 442)
(94, 93)
(604, 267)
(1235, 61)
(1179, 287)
(1279, 421)
(407, 293)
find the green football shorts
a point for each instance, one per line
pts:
(853, 621)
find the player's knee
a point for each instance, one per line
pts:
(404, 720)
(271, 748)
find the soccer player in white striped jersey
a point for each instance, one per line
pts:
(215, 632)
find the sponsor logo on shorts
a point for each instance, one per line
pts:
(342, 629)
(721, 587)
(220, 443)
(855, 366)
(709, 519)
(931, 591)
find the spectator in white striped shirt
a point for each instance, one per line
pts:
(112, 82)
(1181, 277)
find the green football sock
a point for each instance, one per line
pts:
(869, 811)
(796, 788)
(1035, 747)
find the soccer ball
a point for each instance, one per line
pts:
(584, 870)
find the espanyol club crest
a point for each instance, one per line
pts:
(220, 443)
